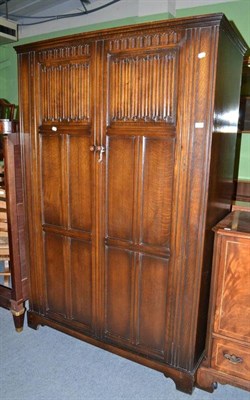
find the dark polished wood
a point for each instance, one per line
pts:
(228, 341)
(7, 110)
(14, 297)
(125, 137)
(243, 190)
(244, 115)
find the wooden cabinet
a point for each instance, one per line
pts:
(13, 296)
(128, 158)
(228, 355)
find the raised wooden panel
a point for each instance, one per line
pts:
(158, 165)
(118, 292)
(80, 183)
(143, 87)
(51, 174)
(233, 301)
(81, 281)
(152, 293)
(120, 187)
(65, 91)
(55, 278)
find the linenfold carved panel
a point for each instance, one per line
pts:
(142, 87)
(65, 91)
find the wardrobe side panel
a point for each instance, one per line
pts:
(223, 164)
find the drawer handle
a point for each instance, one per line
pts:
(232, 358)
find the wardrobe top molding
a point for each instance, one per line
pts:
(217, 19)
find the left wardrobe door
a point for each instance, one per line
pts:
(62, 175)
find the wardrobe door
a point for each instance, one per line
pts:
(140, 155)
(64, 184)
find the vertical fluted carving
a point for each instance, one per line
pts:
(142, 88)
(65, 91)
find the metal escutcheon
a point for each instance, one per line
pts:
(233, 358)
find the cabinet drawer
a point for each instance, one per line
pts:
(231, 358)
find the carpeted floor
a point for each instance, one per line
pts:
(49, 365)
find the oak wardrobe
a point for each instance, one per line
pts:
(128, 144)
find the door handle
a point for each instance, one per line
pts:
(233, 358)
(101, 149)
